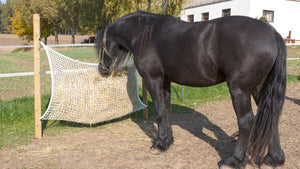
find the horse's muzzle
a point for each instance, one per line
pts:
(103, 70)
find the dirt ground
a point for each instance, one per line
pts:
(12, 40)
(202, 138)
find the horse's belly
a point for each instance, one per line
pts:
(197, 79)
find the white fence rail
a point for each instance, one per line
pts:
(23, 74)
(292, 44)
(54, 46)
(79, 45)
(293, 58)
(20, 46)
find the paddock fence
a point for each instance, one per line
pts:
(78, 45)
(19, 74)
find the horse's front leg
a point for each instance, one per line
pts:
(160, 93)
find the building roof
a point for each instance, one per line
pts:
(194, 3)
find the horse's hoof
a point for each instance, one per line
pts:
(225, 167)
(233, 163)
(155, 151)
(275, 160)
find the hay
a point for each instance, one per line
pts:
(80, 94)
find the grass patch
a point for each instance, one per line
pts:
(293, 78)
(21, 50)
(87, 54)
(12, 87)
(16, 83)
(17, 124)
(194, 96)
(17, 121)
(6, 65)
(293, 67)
(293, 51)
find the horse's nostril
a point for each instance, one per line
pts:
(103, 70)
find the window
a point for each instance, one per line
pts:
(190, 18)
(205, 16)
(226, 12)
(269, 15)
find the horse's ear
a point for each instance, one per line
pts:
(99, 36)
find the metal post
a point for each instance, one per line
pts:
(145, 99)
(182, 93)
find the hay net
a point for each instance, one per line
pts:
(80, 94)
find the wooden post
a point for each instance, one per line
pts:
(290, 35)
(145, 100)
(37, 76)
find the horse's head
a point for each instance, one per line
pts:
(112, 49)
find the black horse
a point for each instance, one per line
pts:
(248, 54)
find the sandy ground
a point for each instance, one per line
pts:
(12, 40)
(202, 139)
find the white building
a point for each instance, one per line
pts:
(284, 15)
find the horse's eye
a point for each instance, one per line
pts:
(122, 48)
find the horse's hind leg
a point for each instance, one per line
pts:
(241, 101)
(160, 93)
(275, 156)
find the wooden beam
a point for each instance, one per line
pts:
(37, 76)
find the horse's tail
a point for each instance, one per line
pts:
(270, 103)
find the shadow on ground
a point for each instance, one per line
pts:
(193, 122)
(296, 101)
(186, 118)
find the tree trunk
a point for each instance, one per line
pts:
(55, 31)
(73, 37)
(56, 37)
(165, 6)
(45, 38)
(149, 6)
(73, 31)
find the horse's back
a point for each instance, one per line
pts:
(236, 49)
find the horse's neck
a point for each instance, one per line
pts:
(140, 29)
(134, 34)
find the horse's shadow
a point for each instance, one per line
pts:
(195, 123)
(296, 101)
